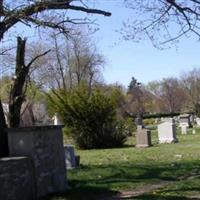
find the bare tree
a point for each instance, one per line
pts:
(72, 61)
(168, 95)
(85, 62)
(162, 21)
(39, 13)
(19, 83)
(172, 94)
(191, 84)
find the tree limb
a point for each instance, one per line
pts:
(14, 16)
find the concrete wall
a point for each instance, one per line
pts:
(44, 145)
(17, 179)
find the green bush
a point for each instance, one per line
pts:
(90, 118)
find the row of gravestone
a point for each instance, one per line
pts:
(166, 131)
(166, 134)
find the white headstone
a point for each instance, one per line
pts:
(184, 129)
(193, 131)
(167, 132)
(198, 121)
(56, 120)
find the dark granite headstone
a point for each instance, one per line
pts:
(143, 138)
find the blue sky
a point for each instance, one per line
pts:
(141, 60)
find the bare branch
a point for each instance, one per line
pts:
(162, 21)
(37, 57)
(12, 17)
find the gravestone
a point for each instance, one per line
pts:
(184, 129)
(167, 132)
(139, 122)
(44, 146)
(198, 121)
(56, 120)
(192, 118)
(184, 120)
(17, 181)
(72, 161)
(143, 138)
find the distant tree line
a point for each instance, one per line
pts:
(169, 95)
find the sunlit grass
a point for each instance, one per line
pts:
(112, 170)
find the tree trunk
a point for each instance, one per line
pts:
(17, 95)
(3, 134)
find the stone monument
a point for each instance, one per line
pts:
(143, 138)
(198, 121)
(44, 146)
(167, 132)
(184, 129)
(72, 160)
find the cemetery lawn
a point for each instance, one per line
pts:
(161, 172)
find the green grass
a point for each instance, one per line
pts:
(109, 171)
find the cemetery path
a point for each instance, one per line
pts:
(151, 187)
(141, 190)
(138, 191)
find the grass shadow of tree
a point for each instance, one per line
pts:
(81, 193)
(159, 197)
(136, 172)
(92, 181)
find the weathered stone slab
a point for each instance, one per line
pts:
(70, 157)
(44, 145)
(184, 129)
(17, 179)
(143, 138)
(198, 121)
(167, 132)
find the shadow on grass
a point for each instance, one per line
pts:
(186, 190)
(81, 193)
(101, 174)
(90, 182)
(159, 197)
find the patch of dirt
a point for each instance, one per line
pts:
(151, 187)
(137, 191)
